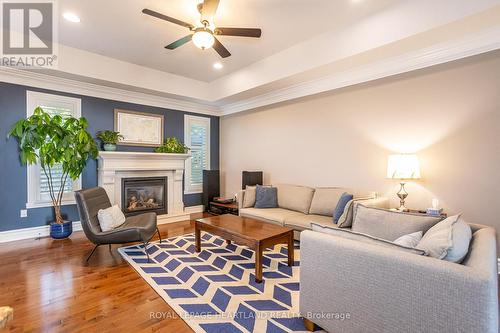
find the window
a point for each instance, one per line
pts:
(196, 137)
(38, 187)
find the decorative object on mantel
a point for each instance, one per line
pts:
(172, 146)
(109, 139)
(403, 167)
(139, 128)
(55, 141)
(6, 314)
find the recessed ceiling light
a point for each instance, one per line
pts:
(71, 17)
(218, 65)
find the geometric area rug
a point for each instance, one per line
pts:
(214, 291)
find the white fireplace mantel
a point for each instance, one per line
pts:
(113, 166)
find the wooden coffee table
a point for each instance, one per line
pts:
(255, 234)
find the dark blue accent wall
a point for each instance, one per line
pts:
(100, 114)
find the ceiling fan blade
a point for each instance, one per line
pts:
(167, 18)
(179, 42)
(241, 32)
(208, 9)
(220, 49)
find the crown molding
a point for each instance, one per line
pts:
(44, 81)
(470, 45)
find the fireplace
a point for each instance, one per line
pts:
(145, 194)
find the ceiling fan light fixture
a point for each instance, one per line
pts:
(203, 38)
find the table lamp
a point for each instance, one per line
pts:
(403, 167)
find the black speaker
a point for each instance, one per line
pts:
(251, 178)
(211, 186)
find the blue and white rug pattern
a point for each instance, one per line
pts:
(215, 290)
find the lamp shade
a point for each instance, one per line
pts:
(403, 166)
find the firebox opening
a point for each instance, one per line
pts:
(144, 194)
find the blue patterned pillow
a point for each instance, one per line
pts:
(339, 210)
(266, 197)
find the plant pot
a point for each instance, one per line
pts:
(109, 147)
(61, 231)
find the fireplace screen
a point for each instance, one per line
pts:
(144, 194)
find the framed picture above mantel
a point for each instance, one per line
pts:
(139, 128)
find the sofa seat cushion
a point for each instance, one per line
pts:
(303, 221)
(295, 197)
(273, 215)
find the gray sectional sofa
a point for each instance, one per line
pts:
(301, 205)
(371, 288)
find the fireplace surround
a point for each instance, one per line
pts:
(113, 167)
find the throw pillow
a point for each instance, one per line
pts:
(410, 240)
(389, 224)
(266, 197)
(110, 218)
(364, 238)
(448, 240)
(249, 197)
(345, 198)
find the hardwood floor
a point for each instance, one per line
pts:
(51, 288)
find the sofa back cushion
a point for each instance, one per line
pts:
(388, 224)
(294, 197)
(325, 199)
(364, 238)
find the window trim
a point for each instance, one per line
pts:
(188, 121)
(34, 99)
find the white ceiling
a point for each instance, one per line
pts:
(307, 47)
(118, 29)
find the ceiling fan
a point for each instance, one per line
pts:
(204, 37)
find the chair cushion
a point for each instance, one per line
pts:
(388, 224)
(364, 238)
(138, 228)
(303, 221)
(273, 215)
(448, 240)
(110, 218)
(295, 197)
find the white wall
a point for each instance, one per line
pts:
(449, 115)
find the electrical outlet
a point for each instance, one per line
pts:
(24, 212)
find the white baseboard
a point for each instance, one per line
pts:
(44, 230)
(194, 209)
(28, 233)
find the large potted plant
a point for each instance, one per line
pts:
(109, 139)
(49, 140)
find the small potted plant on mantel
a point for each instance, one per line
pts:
(49, 140)
(172, 146)
(109, 139)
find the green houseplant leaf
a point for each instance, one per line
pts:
(109, 137)
(172, 146)
(47, 141)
